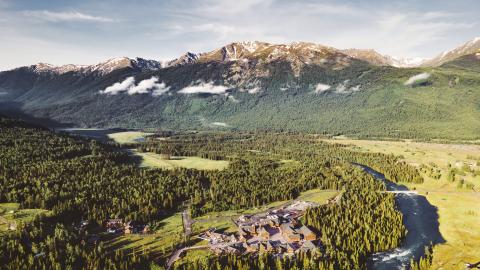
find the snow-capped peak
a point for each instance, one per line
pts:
(405, 62)
(45, 68)
(469, 47)
(103, 68)
(250, 46)
(185, 59)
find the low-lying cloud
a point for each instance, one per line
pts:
(219, 124)
(340, 88)
(254, 90)
(160, 89)
(321, 87)
(233, 99)
(143, 87)
(119, 86)
(204, 88)
(416, 78)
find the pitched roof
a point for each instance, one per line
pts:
(305, 230)
(308, 245)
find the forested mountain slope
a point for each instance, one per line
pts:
(258, 86)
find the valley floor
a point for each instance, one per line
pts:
(457, 198)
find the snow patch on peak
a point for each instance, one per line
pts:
(48, 68)
(187, 58)
(405, 62)
(250, 46)
(475, 40)
(111, 65)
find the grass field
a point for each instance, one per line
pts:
(458, 205)
(194, 255)
(159, 244)
(11, 214)
(128, 136)
(223, 220)
(157, 161)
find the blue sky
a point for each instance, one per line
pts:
(86, 32)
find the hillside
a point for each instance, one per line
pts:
(301, 87)
(470, 47)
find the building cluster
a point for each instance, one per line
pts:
(278, 231)
(130, 227)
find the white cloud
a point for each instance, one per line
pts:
(160, 89)
(204, 88)
(342, 87)
(233, 99)
(321, 87)
(254, 90)
(355, 88)
(119, 86)
(416, 78)
(2, 93)
(220, 124)
(63, 16)
(143, 87)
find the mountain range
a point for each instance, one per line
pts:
(261, 86)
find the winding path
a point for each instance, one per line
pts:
(187, 222)
(176, 255)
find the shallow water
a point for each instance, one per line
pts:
(421, 220)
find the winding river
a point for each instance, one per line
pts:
(421, 220)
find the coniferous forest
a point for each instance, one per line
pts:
(81, 179)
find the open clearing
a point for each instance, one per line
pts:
(128, 136)
(158, 244)
(459, 216)
(158, 161)
(223, 220)
(169, 232)
(11, 214)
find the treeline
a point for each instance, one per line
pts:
(296, 146)
(48, 244)
(363, 222)
(78, 178)
(348, 242)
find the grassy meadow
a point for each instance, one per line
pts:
(153, 160)
(11, 214)
(457, 198)
(159, 244)
(128, 136)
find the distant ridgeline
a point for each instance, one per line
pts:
(77, 178)
(299, 87)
